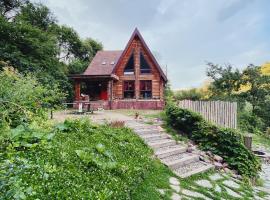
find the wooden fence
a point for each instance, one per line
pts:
(219, 112)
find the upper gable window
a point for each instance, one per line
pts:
(145, 68)
(129, 69)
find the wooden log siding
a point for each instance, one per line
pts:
(136, 47)
(220, 113)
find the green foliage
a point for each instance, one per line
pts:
(250, 86)
(23, 98)
(32, 41)
(77, 66)
(79, 160)
(37, 15)
(192, 94)
(268, 132)
(168, 93)
(98, 157)
(25, 136)
(221, 141)
(259, 86)
(226, 80)
(9, 7)
(263, 111)
(249, 122)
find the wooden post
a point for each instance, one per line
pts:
(248, 141)
(137, 71)
(77, 90)
(51, 113)
(109, 91)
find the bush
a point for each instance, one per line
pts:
(191, 94)
(224, 142)
(268, 132)
(22, 97)
(249, 122)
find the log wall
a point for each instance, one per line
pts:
(157, 82)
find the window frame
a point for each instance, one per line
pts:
(145, 90)
(132, 72)
(145, 60)
(128, 91)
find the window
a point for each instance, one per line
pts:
(145, 89)
(145, 68)
(129, 89)
(129, 69)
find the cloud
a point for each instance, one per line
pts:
(183, 34)
(231, 8)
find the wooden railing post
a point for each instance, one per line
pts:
(248, 141)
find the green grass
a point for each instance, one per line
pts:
(261, 140)
(84, 161)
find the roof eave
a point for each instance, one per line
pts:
(84, 76)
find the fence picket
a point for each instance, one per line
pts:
(218, 112)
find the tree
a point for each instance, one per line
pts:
(76, 52)
(258, 92)
(258, 86)
(250, 86)
(9, 8)
(33, 42)
(225, 80)
(37, 15)
(266, 68)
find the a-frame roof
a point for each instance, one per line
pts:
(106, 62)
(135, 34)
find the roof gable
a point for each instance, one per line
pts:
(106, 62)
(137, 34)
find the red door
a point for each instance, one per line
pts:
(103, 95)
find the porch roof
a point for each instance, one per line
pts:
(93, 77)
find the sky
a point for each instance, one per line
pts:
(183, 34)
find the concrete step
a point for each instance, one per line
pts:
(154, 137)
(161, 143)
(141, 133)
(145, 131)
(170, 152)
(192, 168)
(142, 126)
(173, 150)
(179, 160)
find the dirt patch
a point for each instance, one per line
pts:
(97, 116)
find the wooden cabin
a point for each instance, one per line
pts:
(128, 79)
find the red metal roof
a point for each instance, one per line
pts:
(103, 63)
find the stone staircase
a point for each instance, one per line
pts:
(170, 152)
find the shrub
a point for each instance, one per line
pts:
(221, 141)
(249, 122)
(191, 94)
(22, 97)
(268, 132)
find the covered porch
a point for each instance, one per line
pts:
(96, 89)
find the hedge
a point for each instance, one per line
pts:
(225, 142)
